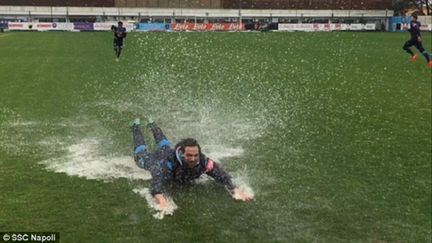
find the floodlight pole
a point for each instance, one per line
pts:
(181, 8)
(386, 21)
(240, 15)
(67, 15)
(271, 18)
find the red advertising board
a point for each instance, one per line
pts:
(15, 25)
(207, 27)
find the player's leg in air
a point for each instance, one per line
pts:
(118, 45)
(407, 46)
(115, 48)
(119, 49)
(159, 137)
(143, 158)
(141, 155)
(421, 49)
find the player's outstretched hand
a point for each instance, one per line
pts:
(162, 202)
(238, 194)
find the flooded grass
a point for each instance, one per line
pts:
(331, 131)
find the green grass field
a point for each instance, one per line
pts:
(332, 131)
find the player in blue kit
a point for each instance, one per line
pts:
(416, 41)
(119, 35)
(180, 165)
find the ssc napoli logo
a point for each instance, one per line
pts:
(54, 25)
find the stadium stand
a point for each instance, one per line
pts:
(211, 4)
(57, 3)
(308, 4)
(256, 13)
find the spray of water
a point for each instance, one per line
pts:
(220, 126)
(80, 154)
(241, 180)
(160, 214)
(83, 159)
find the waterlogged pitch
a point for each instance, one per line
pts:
(330, 131)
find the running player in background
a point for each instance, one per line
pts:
(416, 41)
(119, 35)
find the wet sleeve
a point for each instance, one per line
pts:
(160, 178)
(218, 174)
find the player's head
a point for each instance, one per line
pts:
(414, 16)
(188, 151)
(120, 23)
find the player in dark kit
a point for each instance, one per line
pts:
(416, 41)
(179, 165)
(119, 35)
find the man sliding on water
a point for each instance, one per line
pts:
(181, 165)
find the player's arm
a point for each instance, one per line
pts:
(159, 179)
(222, 177)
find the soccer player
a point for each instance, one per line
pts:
(416, 41)
(119, 35)
(179, 165)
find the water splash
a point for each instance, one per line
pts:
(83, 159)
(241, 180)
(160, 214)
(220, 152)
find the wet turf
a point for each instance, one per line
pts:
(331, 130)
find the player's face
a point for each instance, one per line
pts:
(191, 155)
